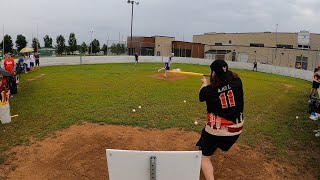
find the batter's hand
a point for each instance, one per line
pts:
(204, 80)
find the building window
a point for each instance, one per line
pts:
(145, 51)
(256, 45)
(218, 44)
(304, 46)
(230, 42)
(216, 51)
(182, 52)
(286, 46)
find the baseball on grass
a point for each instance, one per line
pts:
(196, 123)
(184, 101)
(297, 117)
(139, 107)
(133, 110)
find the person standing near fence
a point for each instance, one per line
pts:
(37, 56)
(27, 63)
(32, 61)
(9, 63)
(225, 104)
(136, 57)
(315, 83)
(255, 66)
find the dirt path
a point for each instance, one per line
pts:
(79, 153)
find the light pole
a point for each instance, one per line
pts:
(276, 40)
(3, 43)
(37, 38)
(255, 56)
(91, 41)
(132, 3)
(107, 44)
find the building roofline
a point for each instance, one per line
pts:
(266, 32)
(163, 36)
(150, 37)
(262, 47)
(140, 37)
(189, 42)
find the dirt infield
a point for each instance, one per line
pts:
(79, 153)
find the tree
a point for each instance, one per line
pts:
(83, 48)
(67, 50)
(72, 43)
(104, 49)
(8, 45)
(47, 41)
(95, 46)
(21, 42)
(118, 48)
(35, 44)
(60, 47)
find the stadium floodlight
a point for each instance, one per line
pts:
(132, 3)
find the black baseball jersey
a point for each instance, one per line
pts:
(226, 101)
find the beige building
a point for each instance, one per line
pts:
(164, 46)
(299, 50)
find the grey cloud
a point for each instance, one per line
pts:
(156, 17)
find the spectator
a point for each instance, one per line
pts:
(255, 66)
(20, 65)
(32, 62)
(315, 83)
(27, 63)
(3, 83)
(136, 57)
(37, 56)
(9, 63)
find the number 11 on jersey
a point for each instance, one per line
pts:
(224, 99)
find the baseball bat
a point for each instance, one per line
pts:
(188, 73)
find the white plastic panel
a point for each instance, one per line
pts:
(170, 165)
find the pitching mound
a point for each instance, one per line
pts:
(170, 76)
(79, 153)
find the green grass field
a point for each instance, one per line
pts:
(107, 94)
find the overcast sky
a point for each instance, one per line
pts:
(177, 18)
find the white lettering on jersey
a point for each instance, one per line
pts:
(224, 88)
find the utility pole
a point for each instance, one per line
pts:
(37, 38)
(107, 44)
(132, 3)
(3, 42)
(276, 41)
(91, 41)
(301, 60)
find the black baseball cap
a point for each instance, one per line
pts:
(220, 68)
